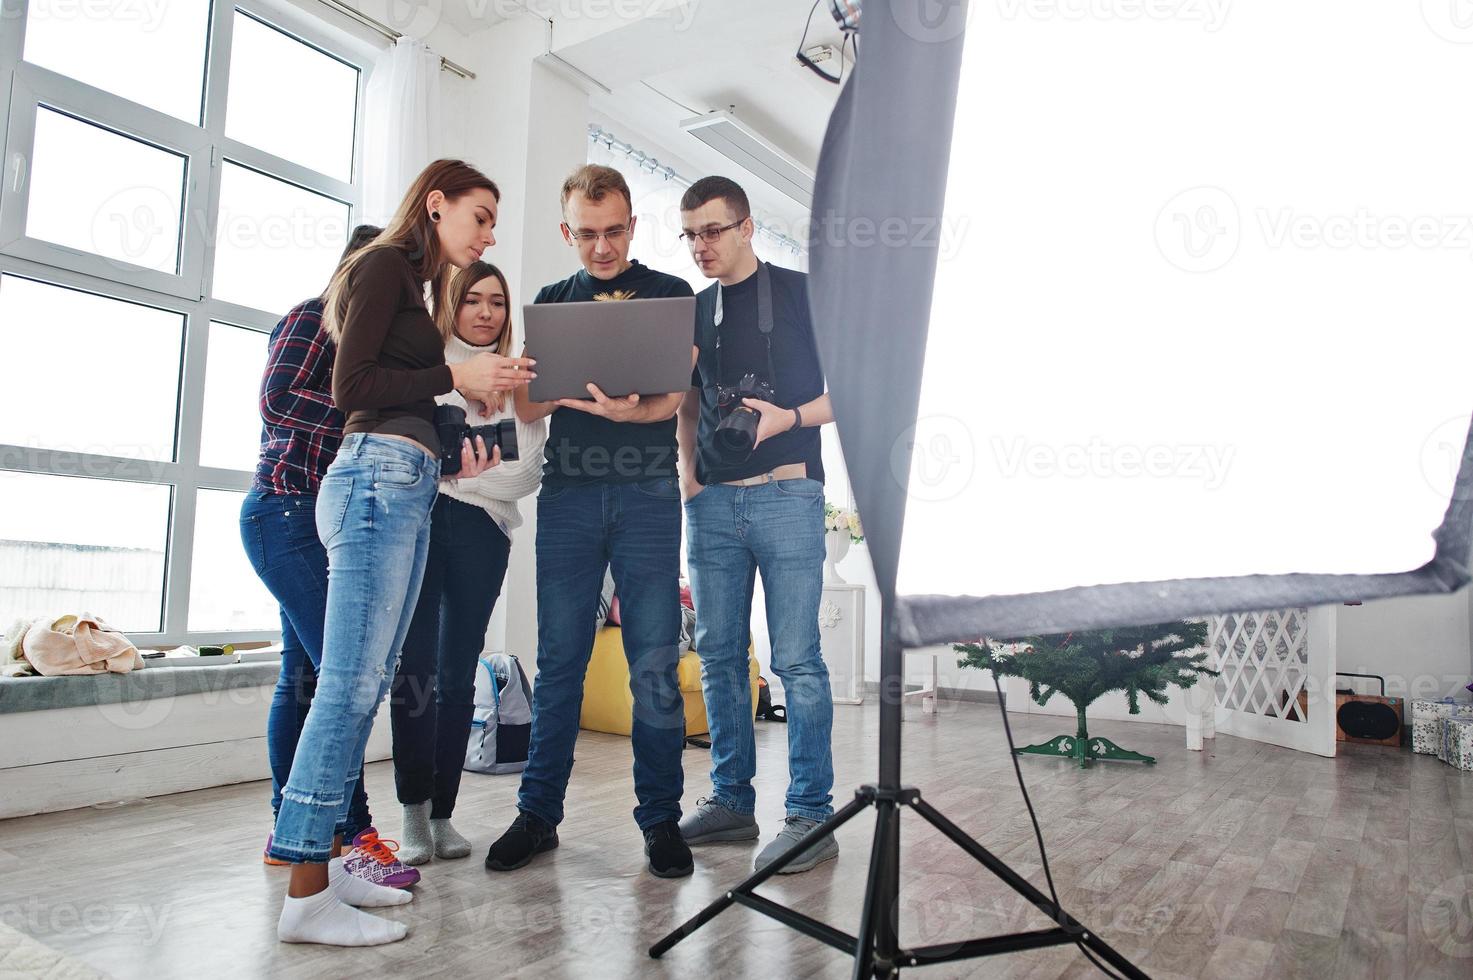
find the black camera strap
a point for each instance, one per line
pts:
(765, 323)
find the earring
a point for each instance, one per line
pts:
(434, 215)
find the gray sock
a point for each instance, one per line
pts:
(448, 843)
(417, 846)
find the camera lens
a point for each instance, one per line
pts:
(737, 434)
(506, 436)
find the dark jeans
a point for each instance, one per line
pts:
(280, 537)
(581, 530)
(432, 699)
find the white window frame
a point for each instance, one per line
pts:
(206, 149)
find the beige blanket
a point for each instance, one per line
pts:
(78, 644)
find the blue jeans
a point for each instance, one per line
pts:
(735, 532)
(279, 532)
(373, 516)
(433, 697)
(582, 530)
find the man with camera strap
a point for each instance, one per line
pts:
(752, 478)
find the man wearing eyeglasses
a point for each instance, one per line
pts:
(752, 477)
(610, 498)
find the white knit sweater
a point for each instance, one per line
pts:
(499, 488)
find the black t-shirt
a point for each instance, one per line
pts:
(743, 350)
(584, 448)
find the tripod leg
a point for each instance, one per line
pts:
(842, 816)
(887, 907)
(1026, 888)
(864, 954)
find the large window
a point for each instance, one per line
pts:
(175, 179)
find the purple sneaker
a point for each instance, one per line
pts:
(266, 857)
(373, 860)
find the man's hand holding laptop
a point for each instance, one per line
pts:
(614, 409)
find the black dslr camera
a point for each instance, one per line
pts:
(736, 433)
(451, 428)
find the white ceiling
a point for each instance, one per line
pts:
(730, 54)
(695, 57)
(466, 16)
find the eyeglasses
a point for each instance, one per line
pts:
(611, 236)
(709, 235)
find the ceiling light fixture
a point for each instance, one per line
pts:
(726, 134)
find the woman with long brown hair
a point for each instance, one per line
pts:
(433, 697)
(373, 516)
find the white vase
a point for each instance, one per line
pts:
(836, 546)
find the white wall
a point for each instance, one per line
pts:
(856, 567)
(1420, 644)
(64, 758)
(556, 144)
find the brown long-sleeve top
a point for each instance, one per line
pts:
(390, 363)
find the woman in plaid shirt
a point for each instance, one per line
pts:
(300, 433)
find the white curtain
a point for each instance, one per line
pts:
(402, 132)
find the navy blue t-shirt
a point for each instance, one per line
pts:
(584, 448)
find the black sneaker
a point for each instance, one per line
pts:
(527, 837)
(668, 853)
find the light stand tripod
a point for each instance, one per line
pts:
(877, 950)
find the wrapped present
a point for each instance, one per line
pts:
(1427, 718)
(1426, 735)
(1439, 708)
(1456, 745)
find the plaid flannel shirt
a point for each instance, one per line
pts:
(301, 428)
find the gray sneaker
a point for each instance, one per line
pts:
(794, 829)
(713, 822)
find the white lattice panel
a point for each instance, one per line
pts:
(1264, 659)
(1276, 666)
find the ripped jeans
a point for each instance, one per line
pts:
(373, 516)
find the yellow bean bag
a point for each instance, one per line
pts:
(609, 707)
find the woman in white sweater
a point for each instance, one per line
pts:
(470, 539)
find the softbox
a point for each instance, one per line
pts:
(1138, 311)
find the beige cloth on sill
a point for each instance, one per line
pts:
(13, 663)
(78, 644)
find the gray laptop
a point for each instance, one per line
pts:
(624, 346)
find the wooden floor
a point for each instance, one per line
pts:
(1246, 860)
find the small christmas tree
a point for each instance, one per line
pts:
(1086, 665)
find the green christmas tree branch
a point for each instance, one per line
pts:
(1086, 665)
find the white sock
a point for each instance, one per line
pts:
(354, 891)
(448, 842)
(321, 918)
